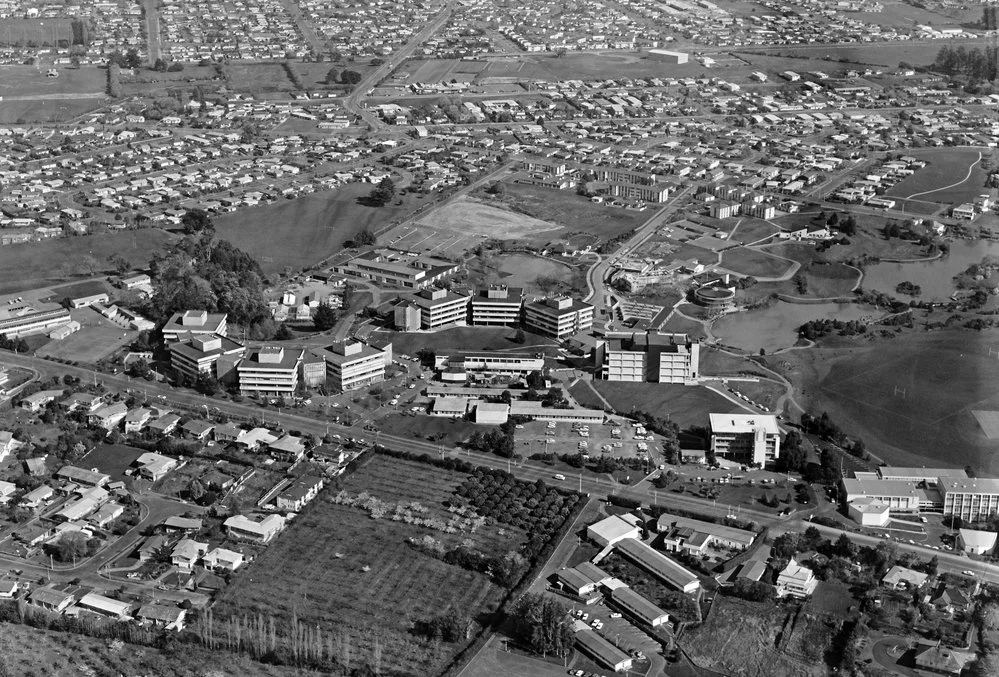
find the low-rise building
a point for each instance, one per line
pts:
(187, 552)
(299, 493)
(105, 606)
(603, 651)
(610, 530)
(221, 560)
(637, 608)
(108, 416)
(203, 353)
(260, 531)
(459, 366)
(194, 322)
(162, 616)
(51, 599)
(975, 542)
(869, 512)
(796, 580)
(657, 564)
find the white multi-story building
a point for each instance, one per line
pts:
(647, 356)
(970, 499)
(748, 438)
(352, 364)
(270, 370)
(440, 308)
(194, 322)
(497, 305)
(201, 353)
(559, 318)
(796, 581)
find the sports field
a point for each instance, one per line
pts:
(298, 233)
(98, 338)
(912, 399)
(40, 264)
(951, 176)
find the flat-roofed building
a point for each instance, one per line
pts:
(28, 321)
(270, 370)
(352, 364)
(398, 269)
(901, 497)
(659, 565)
(492, 413)
(747, 438)
(638, 608)
(610, 530)
(970, 499)
(261, 531)
(869, 512)
(976, 542)
(440, 308)
(460, 366)
(558, 318)
(193, 322)
(539, 412)
(647, 357)
(929, 475)
(200, 354)
(694, 536)
(497, 306)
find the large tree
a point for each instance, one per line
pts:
(325, 317)
(542, 624)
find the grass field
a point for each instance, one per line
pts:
(686, 405)
(111, 459)
(38, 264)
(98, 338)
(30, 652)
(477, 218)
(28, 81)
(936, 181)
(573, 212)
(682, 325)
(910, 399)
(336, 567)
(47, 31)
(588, 66)
(737, 638)
(263, 77)
(753, 262)
(42, 110)
(298, 233)
(752, 230)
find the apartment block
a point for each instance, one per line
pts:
(270, 370)
(352, 364)
(647, 357)
(559, 318)
(746, 438)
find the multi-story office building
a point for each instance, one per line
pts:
(747, 438)
(271, 370)
(193, 322)
(970, 499)
(647, 356)
(497, 305)
(352, 364)
(559, 318)
(440, 308)
(201, 355)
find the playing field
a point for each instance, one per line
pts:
(98, 338)
(298, 233)
(913, 399)
(46, 110)
(951, 176)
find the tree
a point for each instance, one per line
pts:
(120, 263)
(195, 221)
(536, 380)
(325, 317)
(450, 626)
(365, 237)
(331, 76)
(349, 77)
(520, 336)
(542, 624)
(160, 65)
(383, 193)
(844, 547)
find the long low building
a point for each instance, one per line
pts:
(540, 413)
(658, 564)
(899, 495)
(32, 322)
(602, 651)
(638, 608)
(459, 366)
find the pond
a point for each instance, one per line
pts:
(777, 325)
(936, 278)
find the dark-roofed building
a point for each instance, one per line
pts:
(270, 370)
(194, 322)
(440, 308)
(558, 318)
(161, 616)
(658, 565)
(50, 599)
(299, 493)
(352, 364)
(574, 582)
(89, 478)
(638, 608)
(497, 306)
(201, 355)
(602, 651)
(941, 660)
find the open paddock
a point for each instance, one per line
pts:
(39, 264)
(749, 231)
(311, 227)
(685, 405)
(589, 66)
(25, 81)
(257, 77)
(755, 263)
(21, 111)
(951, 176)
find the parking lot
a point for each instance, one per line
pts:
(621, 440)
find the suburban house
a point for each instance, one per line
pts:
(82, 401)
(299, 493)
(137, 419)
(220, 559)
(261, 531)
(89, 478)
(289, 448)
(50, 599)
(695, 536)
(175, 524)
(108, 416)
(37, 497)
(227, 432)
(796, 580)
(9, 587)
(187, 552)
(942, 660)
(901, 578)
(105, 606)
(36, 401)
(161, 616)
(196, 429)
(153, 466)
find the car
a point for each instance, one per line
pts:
(560, 477)
(412, 385)
(615, 615)
(519, 427)
(968, 572)
(394, 402)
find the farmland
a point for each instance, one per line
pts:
(737, 637)
(38, 264)
(29, 81)
(345, 562)
(911, 398)
(312, 227)
(30, 651)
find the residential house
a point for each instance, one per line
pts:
(186, 525)
(950, 599)
(227, 432)
(50, 599)
(796, 581)
(198, 430)
(36, 401)
(165, 424)
(7, 491)
(153, 467)
(137, 419)
(162, 616)
(9, 587)
(187, 552)
(260, 531)
(942, 660)
(299, 493)
(105, 606)
(84, 402)
(90, 478)
(108, 416)
(289, 448)
(221, 559)
(106, 514)
(37, 497)
(900, 578)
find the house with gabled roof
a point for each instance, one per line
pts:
(162, 616)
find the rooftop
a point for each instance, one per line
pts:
(742, 423)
